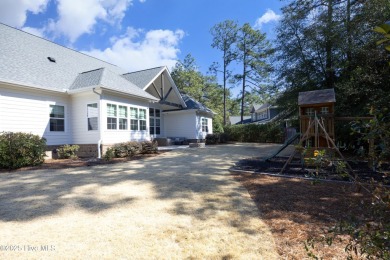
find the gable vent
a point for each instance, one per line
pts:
(51, 59)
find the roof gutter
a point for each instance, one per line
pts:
(31, 86)
(101, 87)
(99, 93)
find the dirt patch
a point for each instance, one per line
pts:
(179, 205)
(297, 210)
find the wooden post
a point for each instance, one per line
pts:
(162, 85)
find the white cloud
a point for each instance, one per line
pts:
(79, 17)
(138, 50)
(267, 17)
(14, 12)
(35, 31)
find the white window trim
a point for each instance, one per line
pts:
(127, 118)
(154, 122)
(327, 110)
(117, 121)
(98, 116)
(207, 124)
(128, 106)
(65, 117)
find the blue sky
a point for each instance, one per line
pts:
(138, 34)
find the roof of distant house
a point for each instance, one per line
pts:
(236, 120)
(317, 97)
(259, 107)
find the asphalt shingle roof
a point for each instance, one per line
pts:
(144, 77)
(24, 60)
(108, 79)
(317, 97)
(236, 120)
(193, 104)
(259, 107)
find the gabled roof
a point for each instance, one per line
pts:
(143, 78)
(31, 61)
(191, 103)
(105, 78)
(317, 97)
(259, 107)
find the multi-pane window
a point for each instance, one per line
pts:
(151, 125)
(133, 118)
(57, 118)
(122, 112)
(118, 118)
(158, 130)
(310, 111)
(92, 116)
(154, 121)
(324, 110)
(111, 116)
(142, 119)
(205, 125)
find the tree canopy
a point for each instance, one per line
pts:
(331, 43)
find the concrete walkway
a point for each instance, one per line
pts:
(181, 204)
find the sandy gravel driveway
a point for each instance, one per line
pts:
(182, 204)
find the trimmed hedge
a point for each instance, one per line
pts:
(266, 133)
(21, 149)
(217, 138)
(129, 149)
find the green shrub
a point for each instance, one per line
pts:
(129, 149)
(21, 149)
(255, 133)
(216, 138)
(110, 154)
(68, 151)
(149, 147)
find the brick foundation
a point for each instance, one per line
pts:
(85, 151)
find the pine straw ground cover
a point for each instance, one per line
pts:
(297, 210)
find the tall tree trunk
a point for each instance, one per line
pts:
(224, 88)
(243, 86)
(329, 77)
(349, 36)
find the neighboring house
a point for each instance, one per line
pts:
(265, 113)
(260, 114)
(236, 120)
(72, 98)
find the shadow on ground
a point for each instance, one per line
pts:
(183, 175)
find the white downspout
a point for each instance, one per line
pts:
(99, 125)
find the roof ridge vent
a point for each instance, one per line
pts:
(51, 59)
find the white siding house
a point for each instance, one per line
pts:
(71, 98)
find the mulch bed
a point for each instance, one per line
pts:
(361, 171)
(81, 162)
(297, 210)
